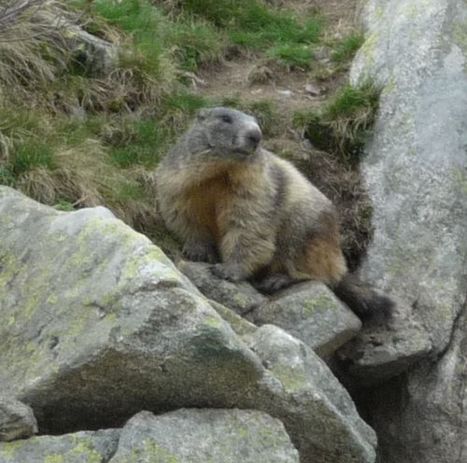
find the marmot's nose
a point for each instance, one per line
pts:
(254, 137)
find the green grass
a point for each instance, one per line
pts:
(141, 144)
(345, 50)
(343, 124)
(31, 155)
(293, 56)
(253, 25)
(158, 38)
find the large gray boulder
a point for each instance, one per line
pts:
(416, 162)
(97, 324)
(81, 447)
(17, 420)
(416, 171)
(200, 436)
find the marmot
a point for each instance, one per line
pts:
(233, 202)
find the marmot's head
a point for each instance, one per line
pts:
(229, 131)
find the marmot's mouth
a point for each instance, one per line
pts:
(245, 151)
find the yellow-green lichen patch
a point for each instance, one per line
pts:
(55, 458)
(213, 321)
(460, 37)
(292, 378)
(460, 179)
(9, 449)
(368, 49)
(84, 447)
(319, 304)
(151, 452)
(11, 266)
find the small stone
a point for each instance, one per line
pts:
(285, 93)
(17, 420)
(313, 90)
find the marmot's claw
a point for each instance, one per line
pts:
(230, 272)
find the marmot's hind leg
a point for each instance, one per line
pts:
(323, 260)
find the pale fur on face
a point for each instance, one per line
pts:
(230, 131)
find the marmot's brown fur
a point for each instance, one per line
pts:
(232, 201)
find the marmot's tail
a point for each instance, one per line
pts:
(365, 301)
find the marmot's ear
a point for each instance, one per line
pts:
(202, 114)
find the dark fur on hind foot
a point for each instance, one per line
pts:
(368, 304)
(274, 283)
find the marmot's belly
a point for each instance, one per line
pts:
(205, 204)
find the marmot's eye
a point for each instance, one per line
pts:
(227, 119)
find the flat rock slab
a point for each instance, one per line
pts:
(312, 313)
(240, 297)
(381, 352)
(81, 447)
(200, 436)
(17, 420)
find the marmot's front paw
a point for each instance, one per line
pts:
(200, 252)
(230, 272)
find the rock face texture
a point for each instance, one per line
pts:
(199, 436)
(81, 447)
(311, 313)
(93, 309)
(416, 170)
(183, 436)
(240, 297)
(97, 325)
(302, 392)
(17, 420)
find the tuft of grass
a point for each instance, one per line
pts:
(345, 50)
(29, 156)
(139, 142)
(253, 25)
(157, 39)
(292, 56)
(343, 124)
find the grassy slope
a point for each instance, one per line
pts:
(70, 138)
